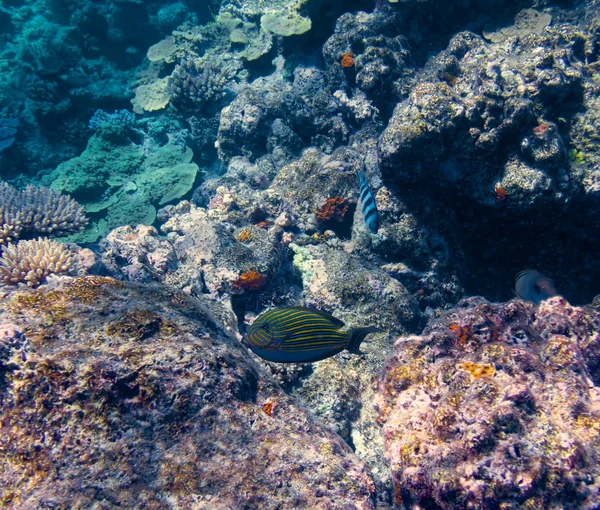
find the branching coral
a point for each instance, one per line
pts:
(35, 211)
(32, 261)
(200, 82)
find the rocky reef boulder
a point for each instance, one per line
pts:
(496, 406)
(116, 394)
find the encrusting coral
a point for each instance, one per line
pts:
(140, 385)
(31, 261)
(334, 209)
(506, 417)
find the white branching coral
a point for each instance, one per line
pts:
(31, 261)
(35, 211)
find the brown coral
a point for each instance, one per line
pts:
(334, 209)
(347, 59)
(32, 261)
(250, 280)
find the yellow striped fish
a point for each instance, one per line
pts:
(294, 334)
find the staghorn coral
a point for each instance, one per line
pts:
(32, 261)
(35, 211)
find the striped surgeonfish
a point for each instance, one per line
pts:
(369, 209)
(293, 334)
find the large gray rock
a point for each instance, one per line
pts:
(120, 395)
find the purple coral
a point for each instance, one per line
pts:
(35, 211)
(525, 432)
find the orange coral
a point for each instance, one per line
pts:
(245, 235)
(268, 408)
(501, 193)
(463, 332)
(478, 370)
(347, 59)
(334, 209)
(250, 280)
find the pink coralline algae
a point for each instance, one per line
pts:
(524, 435)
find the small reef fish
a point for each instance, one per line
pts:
(369, 209)
(531, 285)
(294, 334)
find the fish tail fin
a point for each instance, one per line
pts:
(357, 335)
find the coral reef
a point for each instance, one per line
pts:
(501, 411)
(34, 211)
(141, 381)
(31, 261)
(476, 126)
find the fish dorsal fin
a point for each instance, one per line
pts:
(336, 322)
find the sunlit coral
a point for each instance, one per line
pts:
(478, 370)
(32, 261)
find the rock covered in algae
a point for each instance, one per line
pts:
(496, 406)
(120, 395)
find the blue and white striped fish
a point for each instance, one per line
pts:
(293, 334)
(369, 208)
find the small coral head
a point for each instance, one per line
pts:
(347, 59)
(250, 280)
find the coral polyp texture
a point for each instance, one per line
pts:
(31, 261)
(200, 82)
(507, 418)
(37, 211)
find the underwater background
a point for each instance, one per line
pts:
(272, 254)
